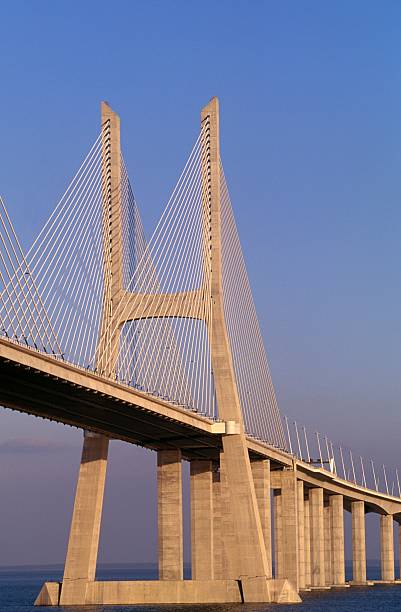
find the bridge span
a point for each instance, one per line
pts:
(157, 344)
(36, 383)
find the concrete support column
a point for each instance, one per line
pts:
(289, 504)
(317, 537)
(261, 480)
(202, 555)
(218, 573)
(278, 535)
(83, 544)
(328, 574)
(248, 550)
(399, 549)
(337, 539)
(358, 542)
(301, 535)
(229, 558)
(307, 542)
(169, 489)
(387, 547)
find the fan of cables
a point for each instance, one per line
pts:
(23, 316)
(54, 298)
(68, 260)
(255, 387)
(168, 355)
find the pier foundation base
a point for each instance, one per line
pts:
(153, 592)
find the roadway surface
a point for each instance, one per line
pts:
(44, 386)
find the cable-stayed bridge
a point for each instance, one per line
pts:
(158, 343)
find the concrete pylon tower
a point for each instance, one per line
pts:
(247, 553)
(107, 349)
(239, 552)
(83, 544)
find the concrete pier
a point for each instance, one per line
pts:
(399, 550)
(217, 527)
(387, 547)
(307, 542)
(317, 537)
(202, 553)
(328, 574)
(337, 539)
(289, 504)
(301, 535)
(230, 566)
(83, 544)
(358, 542)
(169, 506)
(261, 480)
(278, 535)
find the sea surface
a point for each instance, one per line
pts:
(19, 587)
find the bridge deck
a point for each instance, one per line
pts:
(39, 384)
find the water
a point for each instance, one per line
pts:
(20, 586)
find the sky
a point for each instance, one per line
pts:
(309, 94)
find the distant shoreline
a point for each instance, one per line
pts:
(100, 566)
(138, 566)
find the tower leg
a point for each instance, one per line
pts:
(169, 490)
(202, 553)
(251, 554)
(250, 551)
(80, 565)
(229, 558)
(261, 479)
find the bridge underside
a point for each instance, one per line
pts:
(36, 384)
(33, 391)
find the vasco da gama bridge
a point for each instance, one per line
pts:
(157, 343)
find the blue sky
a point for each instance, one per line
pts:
(310, 127)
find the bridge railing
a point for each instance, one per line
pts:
(321, 452)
